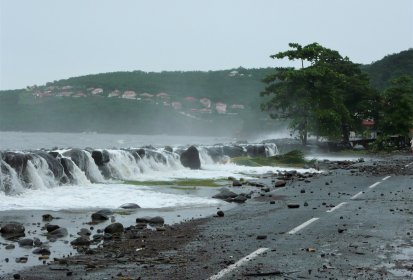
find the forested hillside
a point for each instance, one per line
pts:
(223, 102)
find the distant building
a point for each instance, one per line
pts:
(221, 107)
(97, 91)
(205, 111)
(162, 95)
(65, 93)
(129, 94)
(205, 102)
(66, 87)
(114, 93)
(79, 94)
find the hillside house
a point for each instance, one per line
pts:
(64, 93)
(162, 95)
(190, 99)
(97, 91)
(114, 93)
(205, 111)
(146, 95)
(79, 94)
(129, 94)
(205, 102)
(221, 108)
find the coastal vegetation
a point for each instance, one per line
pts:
(329, 96)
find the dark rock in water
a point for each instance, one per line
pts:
(100, 157)
(234, 151)
(169, 149)
(81, 241)
(54, 164)
(293, 205)
(84, 232)
(151, 220)
(256, 151)
(12, 228)
(17, 161)
(79, 157)
(51, 228)
(68, 167)
(37, 242)
(239, 198)
(236, 183)
(261, 237)
(114, 228)
(54, 154)
(141, 153)
(60, 232)
(190, 158)
(130, 206)
(10, 247)
(220, 213)
(41, 251)
(26, 242)
(157, 156)
(16, 276)
(21, 260)
(102, 215)
(225, 194)
(280, 183)
(47, 217)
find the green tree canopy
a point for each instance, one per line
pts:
(396, 114)
(325, 98)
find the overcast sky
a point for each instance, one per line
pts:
(47, 40)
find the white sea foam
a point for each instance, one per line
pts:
(100, 196)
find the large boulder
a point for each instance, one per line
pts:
(100, 157)
(68, 167)
(129, 206)
(54, 164)
(256, 150)
(114, 228)
(225, 194)
(79, 157)
(17, 161)
(12, 228)
(151, 220)
(190, 158)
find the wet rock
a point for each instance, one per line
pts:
(168, 149)
(302, 191)
(261, 237)
(239, 198)
(236, 183)
(114, 228)
(47, 217)
(12, 230)
(16, 276)
(80, 241)
(190, 158)
(21, 260)
(225, 194)
(280, 183)
(26, 242)
(84, 232)
(41, 251)
(57, 233)
(102, 215)
(100, 157)
(293, 205)
(220, 213)
(150, 220)
(130, 206)
(10, 247)
(37, 242)
(51, 228)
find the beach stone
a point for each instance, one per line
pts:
(37, 242)
(150, 220)
(60, 232)
(225, 194)
(80, 241)
(130, 206)
(102, 215)
(100, 157)
(280, 183)
(84, 232)
(12, 228)
(21, 260)
(51, 228)
(16, 276)
(10, 247)
(41, 251)
(239, 198)
(293, 205)
(220, 213)
(236, 183)
(190, 158)
(47, 217)
(26, 242)
(114, 228)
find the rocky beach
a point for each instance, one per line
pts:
(143, 244)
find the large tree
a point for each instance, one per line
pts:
(396, 114)
(325, 96)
